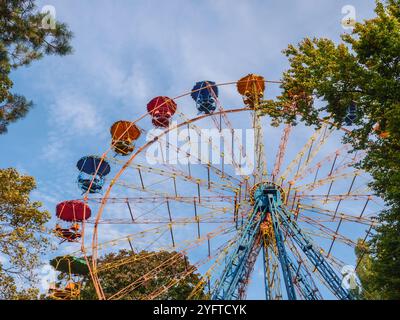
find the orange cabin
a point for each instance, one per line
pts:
(251, 83)
(252, 88)
(381, 134)
(123, 134)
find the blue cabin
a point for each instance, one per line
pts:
(351, 115)
(205, 94)
(92, 168)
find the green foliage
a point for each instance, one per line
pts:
(365, 70)
(9, 290)
(22, 233)
(123, 268)
(23, 39)
(365, 273)
(385, 252)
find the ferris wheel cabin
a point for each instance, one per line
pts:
(92, 170)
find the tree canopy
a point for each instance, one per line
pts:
(325, 79)
(22, 233)
(150, 270)
(25, 36)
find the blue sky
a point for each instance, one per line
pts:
(127, 52)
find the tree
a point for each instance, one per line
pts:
(25, 35)
(118, 270)
(369, 289)
(325, 79)
(9, 290)
(22, 233)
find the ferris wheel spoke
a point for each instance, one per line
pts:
(212, 203)
(281, 151)
(236, 144)
(218, 124)
(304, 190)
(260, 161)
(326, 215)
(335, 235)
(366, 189)
(297, 199)
(126, 239)
(324, 181)
(157, 199)
(222, 174)
(197, 200)
(330, 160)
(216, 255)
(169, 262)
(353, 193)
(302, 279)
(215, 216)
(327, 233)
(182, 246)
(176, 175)
(318, 138)
(335, 172)
(205, 279)
(334, 197)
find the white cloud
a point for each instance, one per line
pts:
(72, 119)
(75, 114)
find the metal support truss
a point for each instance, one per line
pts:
(312, 253)
(249, 267)
(303, 282)
(282, 255)
(266, 275)
(234, 273)
(272, 280)
(268, 207)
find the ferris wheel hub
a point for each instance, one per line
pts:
(259, 193)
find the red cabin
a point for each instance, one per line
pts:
(161, 109)
(73, 211)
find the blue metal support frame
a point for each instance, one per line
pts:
(227, 288)
(303, 283)
(266, 284)
(316, 258)
(249, 266)
(268, 201)
(282, 255)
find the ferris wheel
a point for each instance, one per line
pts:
(243, 202)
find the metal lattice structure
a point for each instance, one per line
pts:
(293, 221)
